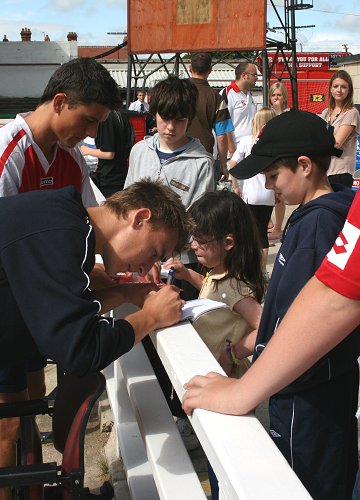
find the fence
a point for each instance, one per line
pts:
(247, 463)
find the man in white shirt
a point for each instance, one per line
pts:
(240, 102)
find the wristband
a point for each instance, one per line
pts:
(230, 349)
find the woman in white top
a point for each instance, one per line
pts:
(278, 101)
(259, 199)
(344, 117)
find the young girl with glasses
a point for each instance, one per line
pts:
(226, 244)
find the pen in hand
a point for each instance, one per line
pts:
(170, 278)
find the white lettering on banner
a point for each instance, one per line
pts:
(310, 65)
(344, 245)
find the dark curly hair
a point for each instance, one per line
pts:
(84, 81)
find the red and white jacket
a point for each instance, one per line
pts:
(23, 166)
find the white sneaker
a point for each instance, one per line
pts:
(187, 434)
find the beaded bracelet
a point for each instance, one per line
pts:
(230, 349)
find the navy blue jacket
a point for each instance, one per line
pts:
(47, 251)
(308, 236)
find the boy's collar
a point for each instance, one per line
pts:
(166, 149)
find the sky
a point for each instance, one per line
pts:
(336, 24)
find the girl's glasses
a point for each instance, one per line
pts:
(200, 243)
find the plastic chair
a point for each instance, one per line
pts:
(74, 400)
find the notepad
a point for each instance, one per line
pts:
(193, 309)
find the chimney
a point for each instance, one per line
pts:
(72, 36)
(25, 35)
(5, 39)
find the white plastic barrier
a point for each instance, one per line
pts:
(247, 463)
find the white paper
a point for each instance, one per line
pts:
(195, 308)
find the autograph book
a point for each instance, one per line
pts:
(193, 309)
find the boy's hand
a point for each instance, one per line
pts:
(212, 392)
(164, 306)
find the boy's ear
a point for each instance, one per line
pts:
(229, 242)
(140, 216)
(305, 163)
(59, 102)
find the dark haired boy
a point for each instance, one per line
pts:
(38, 150)
(179, 161)
(312, 420)
(170, 155)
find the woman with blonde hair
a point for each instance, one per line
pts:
(260, 200)
(278, 97)
(344, 117)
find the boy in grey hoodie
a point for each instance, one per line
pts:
(170, 155)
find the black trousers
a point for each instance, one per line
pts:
(262, 215)
(316, 431)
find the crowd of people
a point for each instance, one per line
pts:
(161, 206)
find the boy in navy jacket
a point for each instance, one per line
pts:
(312, 420)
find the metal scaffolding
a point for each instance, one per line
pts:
(286, 47)
(288, 27)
